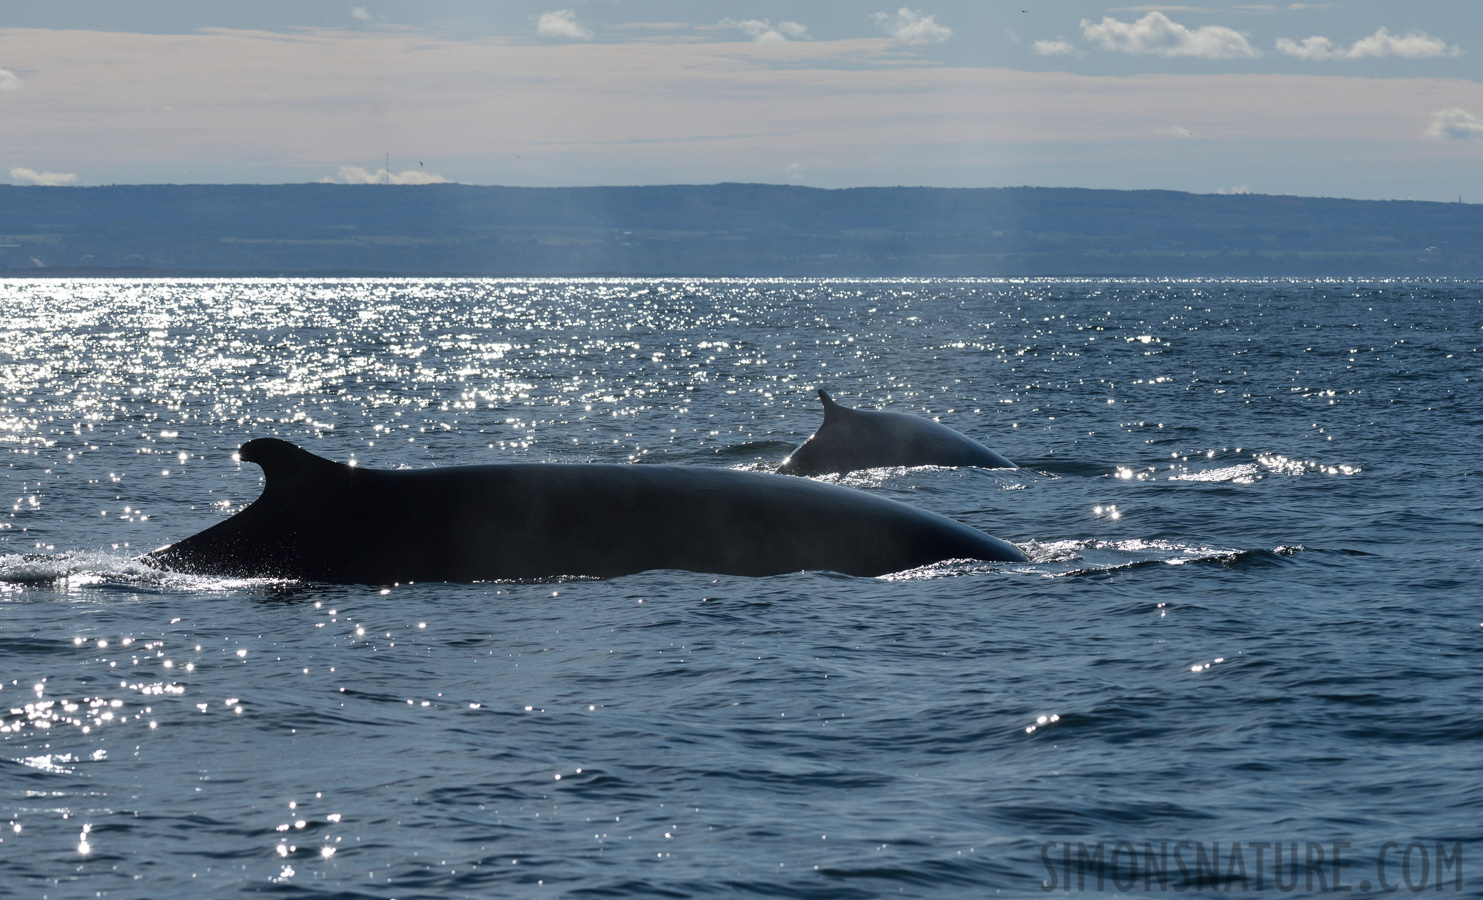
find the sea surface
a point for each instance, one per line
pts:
(1251, 626)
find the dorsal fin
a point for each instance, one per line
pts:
(286, 465)
(830, 407)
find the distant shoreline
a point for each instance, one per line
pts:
(197, 275)
(723, 230)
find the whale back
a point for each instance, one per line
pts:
(852, 439)
(325, 521)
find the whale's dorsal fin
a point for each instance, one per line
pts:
(831, 409)
(286, 466)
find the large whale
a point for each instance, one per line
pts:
(320, 520)
(853, 439)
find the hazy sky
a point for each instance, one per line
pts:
(1351, 98)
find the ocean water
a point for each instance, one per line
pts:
(1251, 628)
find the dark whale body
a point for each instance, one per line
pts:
(852, 439)
(319, 520)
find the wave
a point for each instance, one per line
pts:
(1059, 559)
(103, 570)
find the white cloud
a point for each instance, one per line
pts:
(1315, 47)
(357, 175)
(1238, 189)
(1178, 131)
(1057, 47)
(563, 25)
(764, 32)
(1156, 34)
(360, 13)
(1455, 125)
(911, 27)
(9, 81)
(1413, 45)
(50, 179)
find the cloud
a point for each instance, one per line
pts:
(1412, 45)
(1156, 34)
(357, 175)
(911, 27)
(1238, 189)
(1057, 47)
(562, 25)
(764, 32)
(1178, 131)
(1315, 47)
(1455, 125)
(49, 179)
(9, 81)
(360, 13)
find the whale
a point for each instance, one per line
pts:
(852, 439)
(324, 521)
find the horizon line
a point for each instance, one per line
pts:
(716, 184)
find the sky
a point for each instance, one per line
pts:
(1349, 98)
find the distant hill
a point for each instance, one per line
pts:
(723, 229)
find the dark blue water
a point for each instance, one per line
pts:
(1251, 623)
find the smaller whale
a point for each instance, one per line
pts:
(320, 520)
(852, 439)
